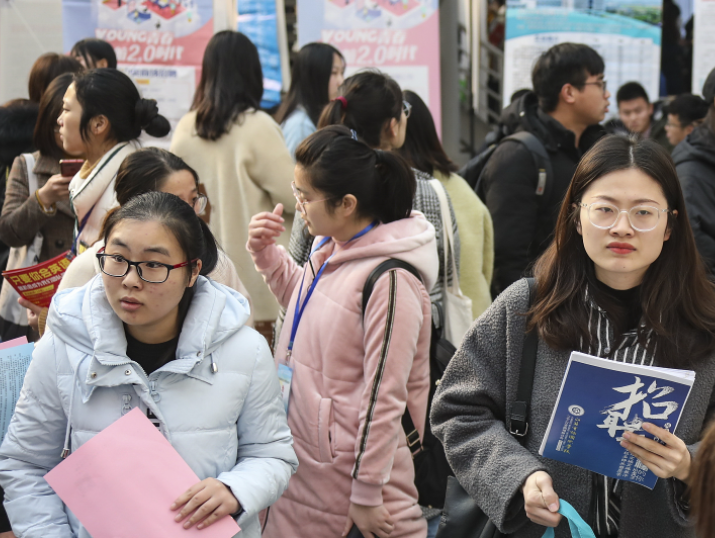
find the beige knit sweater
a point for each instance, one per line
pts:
(246, 171)
(476, 236)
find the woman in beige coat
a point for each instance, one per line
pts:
(240, 155)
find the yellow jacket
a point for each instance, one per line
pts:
(476, 236)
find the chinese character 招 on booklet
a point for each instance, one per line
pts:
(601, 399)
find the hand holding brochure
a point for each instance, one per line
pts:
(601, 399)
(38, 283)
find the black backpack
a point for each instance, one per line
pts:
(473, 171)
(431, 467)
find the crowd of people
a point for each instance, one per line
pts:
(274, 292)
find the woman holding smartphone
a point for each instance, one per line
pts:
(44, 209)
(102, 117)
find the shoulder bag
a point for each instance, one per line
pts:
(461, 517)
(457, 306)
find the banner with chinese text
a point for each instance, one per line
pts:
(399, 37)
(159, 43)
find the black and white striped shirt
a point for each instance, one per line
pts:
(605, 344)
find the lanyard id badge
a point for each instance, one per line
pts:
(285, 378)
(285, 372)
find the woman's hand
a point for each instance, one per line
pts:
(57, 189)
(540, 500)
(33, 313)
(264, 228)
(208, 501)
(671, 460)
(370, 520)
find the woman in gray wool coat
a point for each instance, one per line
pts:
(623, 281)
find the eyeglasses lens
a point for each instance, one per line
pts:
(200, 204)
(406, 108)
(148, 271)
(298, 199)
(642, 218)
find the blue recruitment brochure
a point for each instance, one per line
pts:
(14, 362)
(601, 399)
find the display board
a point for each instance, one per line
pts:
(703, 42)
(626, 33)
(258, 20)
(159, 43)
(399, 37)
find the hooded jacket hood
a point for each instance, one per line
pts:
(698, 146)
(17, 125)
(83, 319)
(411, 240)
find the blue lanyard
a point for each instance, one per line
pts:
(299, 309)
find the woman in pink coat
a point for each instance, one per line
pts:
(353, 373)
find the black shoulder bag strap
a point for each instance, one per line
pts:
(385, 266)
(413, 437)
(542, 161)
(519, 413)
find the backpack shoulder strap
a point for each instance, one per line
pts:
(381, 269)
(542, 161)
(413, 436)
(519, 414)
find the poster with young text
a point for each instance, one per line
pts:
(398, 37)
(158, 43)
(626, 33)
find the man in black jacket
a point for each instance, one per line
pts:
(569, 100)
(695, 163)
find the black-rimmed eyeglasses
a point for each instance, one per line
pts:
(152, 272)
(603, 84)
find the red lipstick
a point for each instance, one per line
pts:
(620, 248)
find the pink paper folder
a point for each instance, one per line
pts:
(122, 482)
(13, 343)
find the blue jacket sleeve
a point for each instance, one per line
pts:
(32, 447)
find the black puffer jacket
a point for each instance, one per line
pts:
(695, 163)
(524, 222)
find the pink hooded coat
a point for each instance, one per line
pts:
(352, 378)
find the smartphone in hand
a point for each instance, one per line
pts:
(69, 167)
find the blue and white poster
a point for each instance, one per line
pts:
(258, 20)
(626, 33)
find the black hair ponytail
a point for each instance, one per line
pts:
(333, 114)
(396, 186)
(209, 260)
(369, 101)
(148, 119)
(111, 93)
(337, 164)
